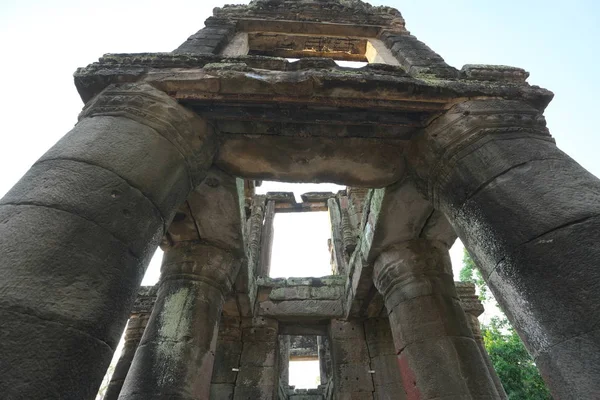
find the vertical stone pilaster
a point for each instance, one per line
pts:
(284, 361)
(530, 217)
(176, 355)
(266, 241)
(78, 231)
(387, 381)
(438, 357)
(337, 237)
(227, 358)
(258, 377)
(350, 357)
(473, 309)
(254, 235)
(324, 359)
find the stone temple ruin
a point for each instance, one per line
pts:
(168, 150)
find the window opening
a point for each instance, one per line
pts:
(153, 271)
(297, 188)
(351, 64)
(304, 374)
(300, 245)
(305, 361)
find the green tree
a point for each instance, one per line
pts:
(470, 273)
(515, 367)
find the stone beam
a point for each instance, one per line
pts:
(305, 121)
(295, 299)
(285, 202)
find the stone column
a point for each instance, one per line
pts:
(78, 231)
(350, 358)
(438, 357)
(258, 377)
(473, 308)
(175, 357)
(387, 381)
(530, 217)
(133, 334)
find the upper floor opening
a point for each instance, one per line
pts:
(297, 45)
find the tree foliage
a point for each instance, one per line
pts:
(515, 367)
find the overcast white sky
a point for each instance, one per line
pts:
(43, 42)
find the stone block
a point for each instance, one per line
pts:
(442, 373)
(352, 378)
(221, 391)
(259, 354)
(428, 317)
(227, 357)
(349, 351)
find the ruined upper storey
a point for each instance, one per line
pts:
(283, 120)
(319, 11)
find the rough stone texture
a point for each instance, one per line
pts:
(387, 381)
(211, 39)
(415, 279)
(78, 231)
(350, 357)
(308, 299)
(258, 377)
(81, 226)
(227, 358)
(529, 216)
(266, 240)
(416, 57)
(338, 255)
(175, 357)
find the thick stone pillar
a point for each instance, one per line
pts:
(258, 377)
(530, 217)
(133, 334)
(438, 357)
(387, 381)
(350, 357)
(175, 357)
(473, 308)
(78, 231)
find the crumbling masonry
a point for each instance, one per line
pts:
(167, 151)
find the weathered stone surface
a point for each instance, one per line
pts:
(258, 377)
(176, 355)
(528, 215)
(350, 358)
(71, 264)
(415, 278)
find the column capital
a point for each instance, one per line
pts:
(465, 128)
(414, 268)
(191, 135)
(202, 262)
